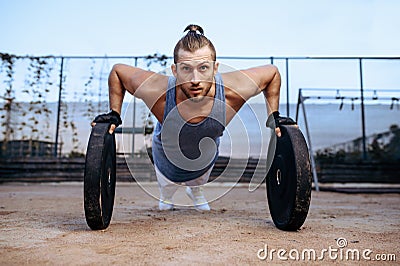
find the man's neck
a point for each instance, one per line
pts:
(195, 111)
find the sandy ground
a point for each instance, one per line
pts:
(45, 224)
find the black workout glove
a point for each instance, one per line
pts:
(275, 117)
(111, 117)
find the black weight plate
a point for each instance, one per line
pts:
(289, 180)
(100, 177)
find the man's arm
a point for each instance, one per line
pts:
(124, 78)
(143, 84)
(268, 80)
(250, 82)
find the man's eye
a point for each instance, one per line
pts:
(185, 68)
(203, 68)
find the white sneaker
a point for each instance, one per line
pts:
(199, 201)
(165, 205)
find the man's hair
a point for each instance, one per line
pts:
(193, 40)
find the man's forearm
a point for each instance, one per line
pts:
(116, 91)
(272, 93)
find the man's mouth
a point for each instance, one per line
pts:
(196, 90)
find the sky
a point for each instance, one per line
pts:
(237, 28)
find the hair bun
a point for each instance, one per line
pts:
(194, 28)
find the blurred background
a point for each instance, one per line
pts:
(339, 61)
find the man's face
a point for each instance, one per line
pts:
(195, 73)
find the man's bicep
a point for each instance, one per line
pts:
(241, 83)
(130, 77)
(262, 75)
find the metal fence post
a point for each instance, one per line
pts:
(134, 118)
(362, 111)
(59, 108)
(287, 88)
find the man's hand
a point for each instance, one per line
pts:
(112, 117)
(275, 116)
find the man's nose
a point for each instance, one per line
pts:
(195, 77)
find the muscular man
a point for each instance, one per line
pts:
(192, 108)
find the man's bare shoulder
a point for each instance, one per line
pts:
(250, 73)
(247, 80)
(150, 83)
(241, 82)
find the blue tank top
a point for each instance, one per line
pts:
(183, 151)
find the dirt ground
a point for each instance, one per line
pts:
(45, 224)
